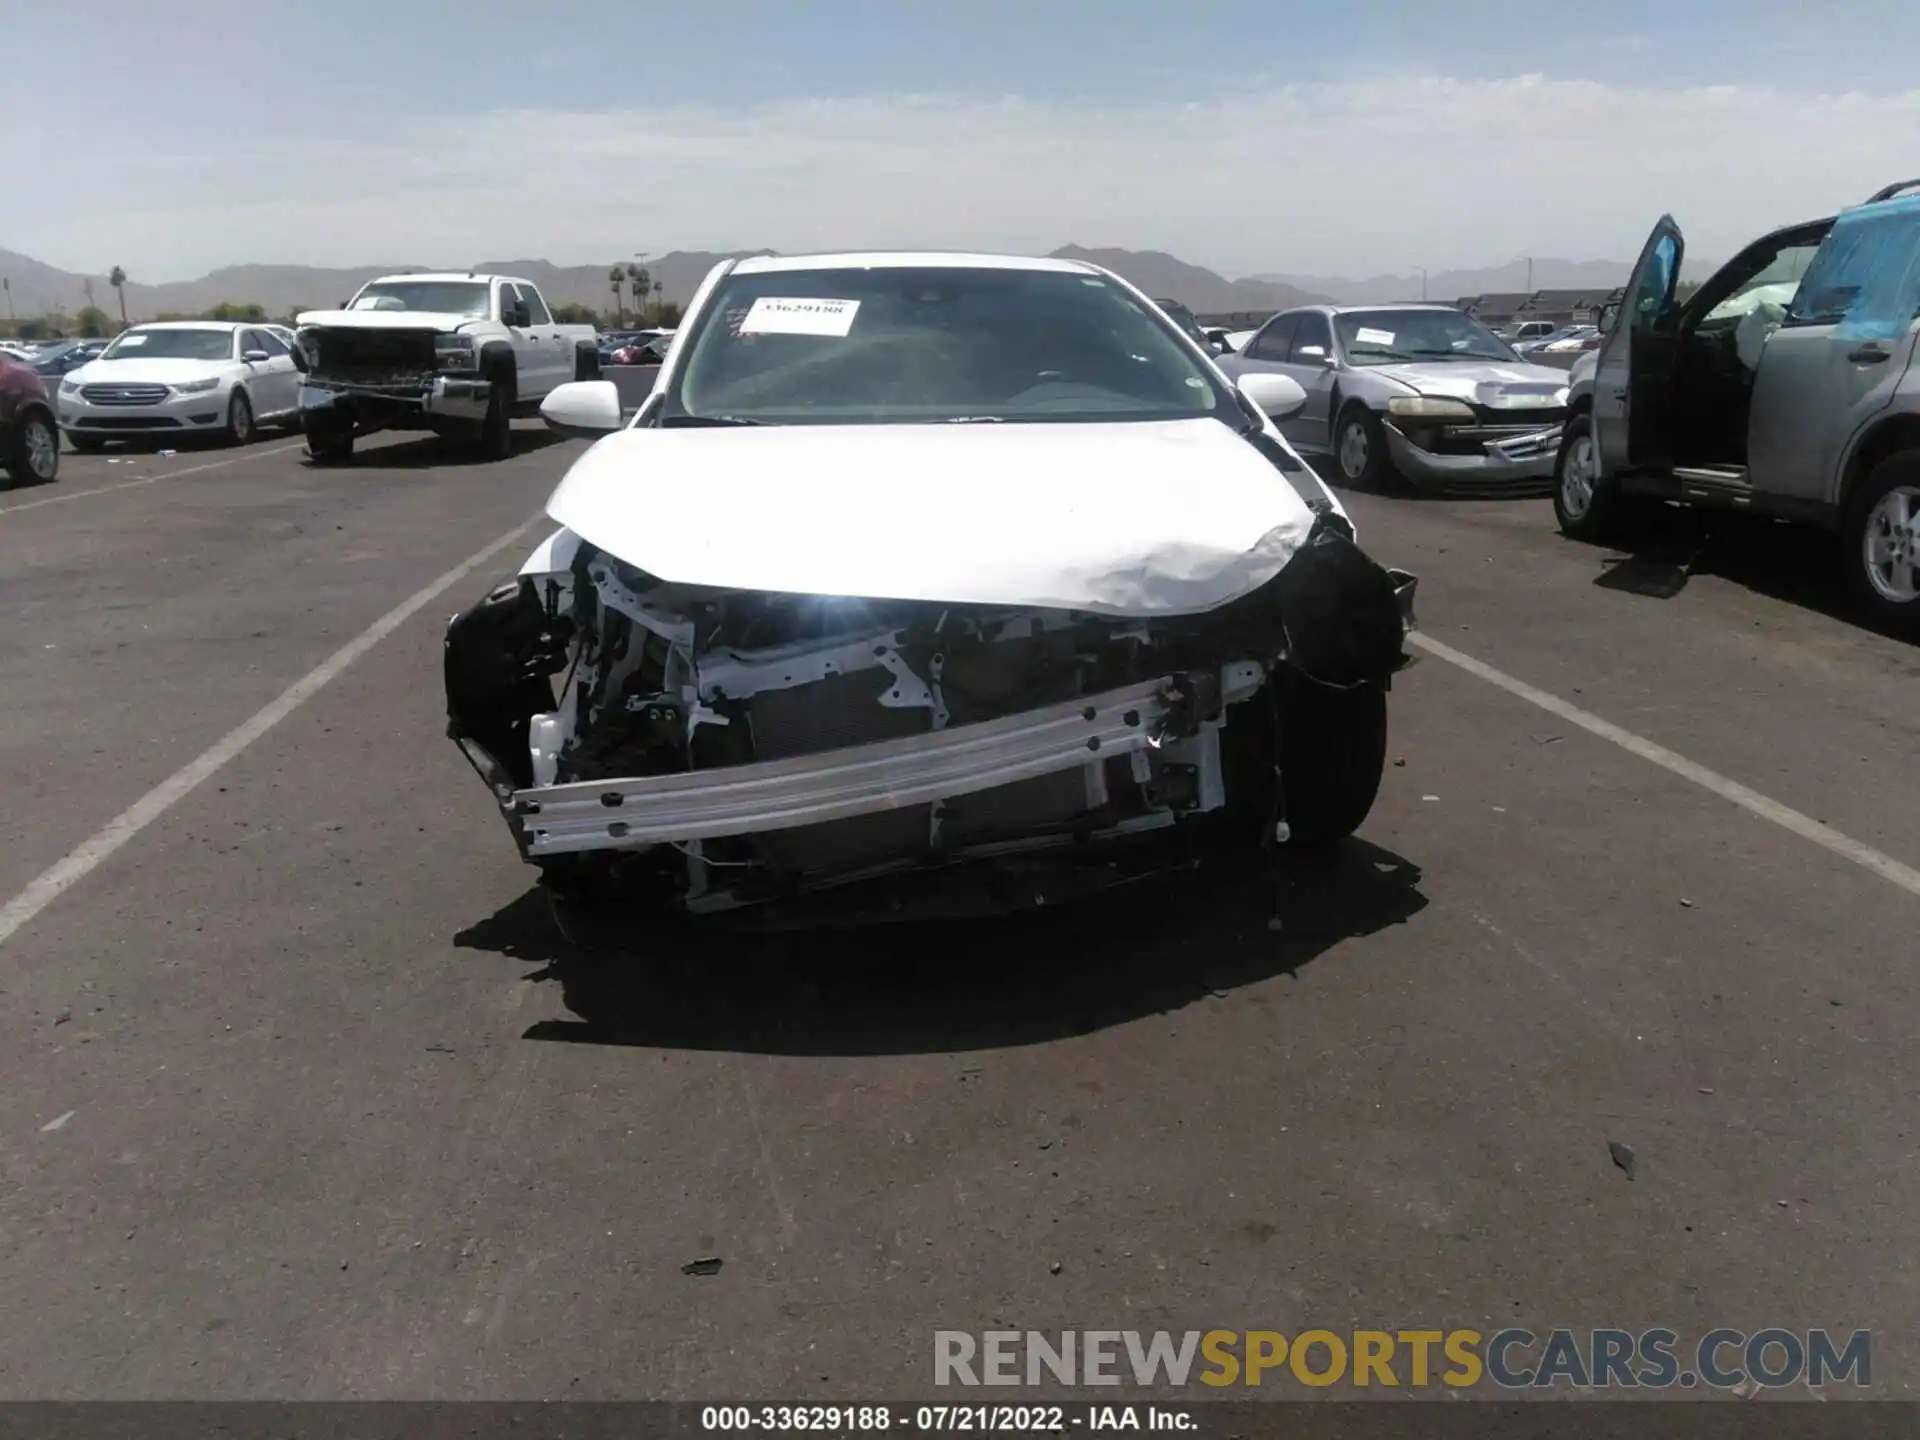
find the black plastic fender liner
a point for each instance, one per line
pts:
(494, 662)
(1332, 613)
(1341, 610)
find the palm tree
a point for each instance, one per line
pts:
(637, 275)
(659, 299)
(117, 278)
(616, 277)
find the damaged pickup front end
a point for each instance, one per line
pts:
(659, 744)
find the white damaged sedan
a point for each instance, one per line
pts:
(969, 571)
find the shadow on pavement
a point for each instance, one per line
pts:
(1797, 564)
(908, 988)
(425, 452)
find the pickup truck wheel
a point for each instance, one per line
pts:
(329, 442)
(496, 431)
(1587, 504)
(239, 418)
(1333, 751)
(586, 363)
(33, 453)
(1882, 534)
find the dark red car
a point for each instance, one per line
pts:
(29, 433)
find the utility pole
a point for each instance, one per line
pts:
(7, 285)
(1529, 275)
(1423, 280)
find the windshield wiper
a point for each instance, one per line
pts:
(1454, 355)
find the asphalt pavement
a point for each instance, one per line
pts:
(301, 1098)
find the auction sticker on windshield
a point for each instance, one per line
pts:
(1364, 336)
(776, 315)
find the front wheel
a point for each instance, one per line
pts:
(1587, 503)
(329, 441)
(1333, 751)
(33, 457)
(239, 418)
(1360, 450)
(496, 431)
(1882, 534)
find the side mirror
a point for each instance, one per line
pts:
(582, 409)
(256, 357)
(1609, 317)
(1276, 395)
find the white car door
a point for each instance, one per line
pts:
(555, 350)
(276, 385)
(528, 360)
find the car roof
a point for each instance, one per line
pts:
(910, 259)
(438, 275)
(228, 325)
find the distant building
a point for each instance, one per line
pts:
(1556, 307)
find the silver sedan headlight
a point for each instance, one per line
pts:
(196, 387)
(1429, 407)
(69, 385)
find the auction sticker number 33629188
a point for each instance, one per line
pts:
(779, 315)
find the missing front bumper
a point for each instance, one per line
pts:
(630, 814)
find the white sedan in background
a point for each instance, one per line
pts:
(182, 378)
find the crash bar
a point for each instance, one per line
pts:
(834, 784)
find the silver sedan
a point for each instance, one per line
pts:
(1419, 392)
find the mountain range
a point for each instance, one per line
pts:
(1445, 286)
(35, 288)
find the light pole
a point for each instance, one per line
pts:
(1423, 280)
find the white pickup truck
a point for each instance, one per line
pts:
(457, 354)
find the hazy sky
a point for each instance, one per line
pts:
(1343, 138)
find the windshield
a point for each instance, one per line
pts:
(172, 345)
(898, 345)
(438, 297)
(1383, 337)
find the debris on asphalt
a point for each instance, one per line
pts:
(1706, 1089)
(1622, 1156)
(1547, 739)
(440, 1049)
(1401, 763)
(1054, 1268)
(1429, 797)
(164, 454)
(56, 1123)
(1686, 904)
(706, 1265)
(63, 1017)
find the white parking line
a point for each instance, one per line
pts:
(51, 884)
(1805, 826)
(158, 475)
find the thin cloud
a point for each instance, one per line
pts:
(1341, 178)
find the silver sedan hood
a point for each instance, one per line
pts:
(1492, 384)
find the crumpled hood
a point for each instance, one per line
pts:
(1141, 518)
(139, 370)
(386, 319)
(1495, 384)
